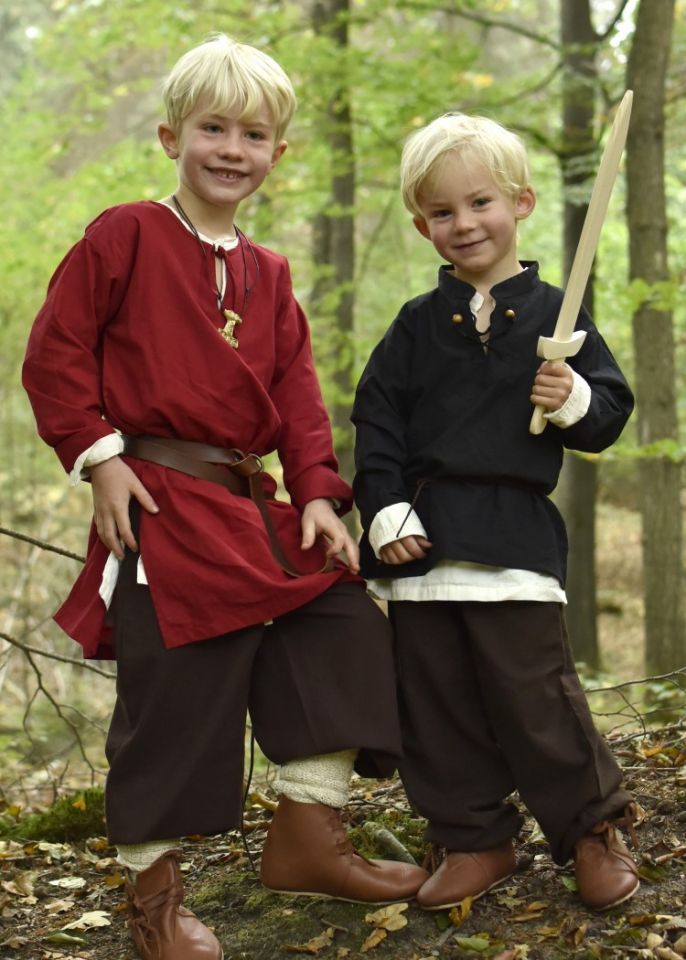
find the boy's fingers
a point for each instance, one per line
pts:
(144, 498)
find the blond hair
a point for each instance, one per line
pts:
(498, 149)
(230, 75)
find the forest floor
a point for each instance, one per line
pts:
(62, 900)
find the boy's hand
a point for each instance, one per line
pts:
(319, 518)
(113, 484)
(553, 384)
(405, 549)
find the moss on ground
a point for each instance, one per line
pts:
(75, 817)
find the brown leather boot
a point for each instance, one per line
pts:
(605, 870)
(162, 929)
(307, 852)
(463, 875)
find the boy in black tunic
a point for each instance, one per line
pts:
(463, 541)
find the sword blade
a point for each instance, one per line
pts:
(593, 222)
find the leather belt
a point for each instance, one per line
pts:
(239, 472)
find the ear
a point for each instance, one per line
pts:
(279, 151)
(525, 203)
(421, 225)
(169, 140)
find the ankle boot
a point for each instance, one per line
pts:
(308, 852)
(605, 871)
(463, 875)
(161, 928)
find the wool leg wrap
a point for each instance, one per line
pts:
(319, 779)
(140, 856)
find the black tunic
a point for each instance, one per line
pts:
(433, 406)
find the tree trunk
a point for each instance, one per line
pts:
(578, 482)
(654, 339)
(334, 243)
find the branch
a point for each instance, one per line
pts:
(483, 20)
(613, 23)
(42, 544)
(631, 683)
(56, 656)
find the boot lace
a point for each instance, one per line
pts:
(143, 912)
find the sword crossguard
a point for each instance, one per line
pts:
(551, 349)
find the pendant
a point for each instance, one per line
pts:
(232, 321)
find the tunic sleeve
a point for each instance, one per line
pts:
(62, 366)
(380, 418)
(611, 398)
(305, 443)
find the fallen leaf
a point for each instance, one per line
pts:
(579, 934)
(312, 946)
(374, 939)
(666, 953)
(68, 939)
(388, 918)
(68, 883)
(96, 918)
(14, 942)
(477, 944)
(342, 953)
(59, 906)
(461, 911)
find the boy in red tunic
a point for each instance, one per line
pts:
(169, 356)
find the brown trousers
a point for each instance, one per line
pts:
(317, 680)
(490, 702)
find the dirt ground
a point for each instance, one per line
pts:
(66, 901)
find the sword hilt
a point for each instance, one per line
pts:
(551, 349)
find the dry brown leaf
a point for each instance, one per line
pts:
(88, 921)
(666, 953)
(461, 911)
(312, 946)
(680, 945)
(59, 906)
(374, 939)
(548, 932)
(342, 953)
(579, 934)
(260, 800)
(388, 918)
(114, 880)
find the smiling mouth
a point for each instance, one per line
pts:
(466, 247)
(228, 174)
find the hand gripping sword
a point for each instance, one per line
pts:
(565, 341)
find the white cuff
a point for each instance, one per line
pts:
(575, 407)
(103, 449)
(391, 523)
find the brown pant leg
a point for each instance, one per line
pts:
(324, 680)
(563, 769)
(176, 739)
(453, 769)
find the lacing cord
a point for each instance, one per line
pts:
(140, 922)
(246, 792)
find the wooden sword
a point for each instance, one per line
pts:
(566, 341)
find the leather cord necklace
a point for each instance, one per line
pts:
(232, 318)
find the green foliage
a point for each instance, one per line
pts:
(74, 817)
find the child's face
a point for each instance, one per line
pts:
(222, 159)
(471, 222)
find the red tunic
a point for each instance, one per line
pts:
(127, 338)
